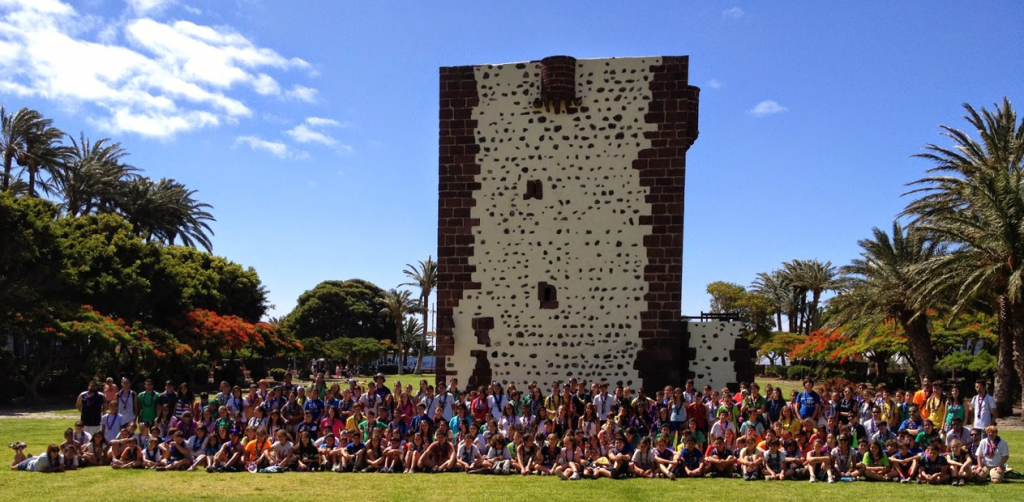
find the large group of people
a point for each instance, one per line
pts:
(574, 431)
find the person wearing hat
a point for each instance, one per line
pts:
(382, 390)
(229, 458)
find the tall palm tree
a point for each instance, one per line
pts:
(15, 132)
(880, 286)
(43, 153)
(396, 305)
(423, 276)
(93, 176)
(773, 286)
(412, 331)
(973, 198)
(810, 276)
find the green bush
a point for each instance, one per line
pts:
(797, 372)
(775, 371)
(277, 374)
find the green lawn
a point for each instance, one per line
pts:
(107, 484)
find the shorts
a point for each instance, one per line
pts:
(92, 429)
(986, 473)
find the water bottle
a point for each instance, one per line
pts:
(846, 479)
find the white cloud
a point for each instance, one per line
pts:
(275, 147)
(319, 121)
(715, 83)
(307, 132)
(192, 10)
(302, 93)
(767, 107)
(733, 13)
(303, 134)
(171, 77)
(143, 7)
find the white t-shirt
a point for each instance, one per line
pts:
(982, 408)
(237, 404)
(282, 450)
(644, 461)
(431, 404)
(447, 400)
(990, 455)
(603, 405)
(111, 424)
(36, 464)
(504, 454)
(469, 455)
(126, 404)
(497, 403)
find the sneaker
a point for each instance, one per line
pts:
(575, 476)
(814, 479)
(364, 471)
(336, 468)
(831, 479)
(672, 476)
(561, 475)
(919, 481)
(904, 481)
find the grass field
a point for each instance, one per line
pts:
(107, 484)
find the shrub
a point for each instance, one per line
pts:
(797, 372)
(775, 371)
(277, 374)
(202, 374)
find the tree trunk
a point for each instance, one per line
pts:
(423, 342)
(398, 340)
(1017, 315)
(31, 182)
(778, 319)
(815, 298)
(1004, 365)
(8, 160)
(919, 341)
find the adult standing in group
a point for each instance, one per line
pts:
(497, 400)
(983, 407)
(448, 400)
(603, 403)
(809, 402)
(148, 400)
(127, 401)
(167, 399)
(382, 390)
(90, 404)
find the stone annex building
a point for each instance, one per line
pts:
(560, 226)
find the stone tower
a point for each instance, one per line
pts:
(560, 220)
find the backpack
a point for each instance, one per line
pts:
(502, 467)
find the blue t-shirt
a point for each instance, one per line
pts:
(808, 400)
(354, 448)
(315, 406)
(692, 458)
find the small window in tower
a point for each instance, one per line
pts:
(548, 295)
(534, 190)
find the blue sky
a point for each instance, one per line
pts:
(311, 127)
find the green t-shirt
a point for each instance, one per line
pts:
(147, 406)
(867, 460)
(363, 426)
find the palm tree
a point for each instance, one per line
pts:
(93, 176)
(166, 211)
(425, 277)
(973, 198)
(880, 287)
(412, 331)
(773, 286)
(15, 132)
(810, 276)
(396, 305)
(43, 153)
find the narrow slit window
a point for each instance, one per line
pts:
(534, 190)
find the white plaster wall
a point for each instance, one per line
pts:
(712, 342)
(583, 236)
